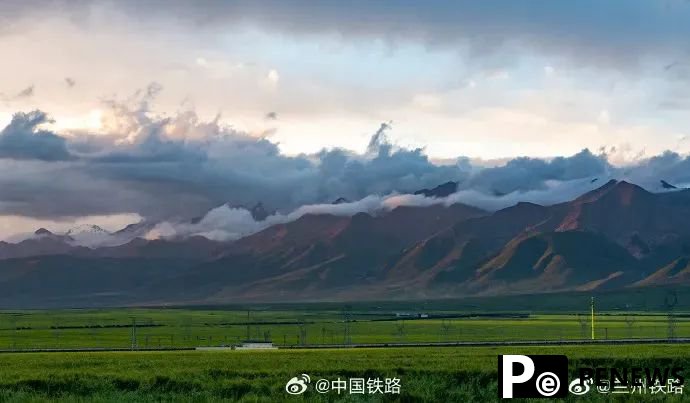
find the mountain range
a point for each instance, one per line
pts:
(614, 237)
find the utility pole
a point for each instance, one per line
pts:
(13, 320)
(592, 304)
(302, 334)
(400, 329)
(630, 321)
(347, 317)
(445, 329)
(134, 333)
(670, 302)
(248, 326)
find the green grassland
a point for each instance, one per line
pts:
(460, 374)
(113, 328)
(427, 373)
(634, 313)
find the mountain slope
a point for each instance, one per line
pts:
(557, 261)
(626, 213)
(616, 236)
(70, 281)
(43, 242)
(442, 190)
(676, 272)
(467, 243)
(322, 252)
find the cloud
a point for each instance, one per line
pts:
(226, 224)
(575, 175)
(669, 166)
(230, 223)
(181, 166)
(524, 173)
(590, 32)
(174, 167)
(23, 140)
(379, 142)
(26, 92)
(273, 76)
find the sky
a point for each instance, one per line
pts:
(114, 111)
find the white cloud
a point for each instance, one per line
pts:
(273, 76)
(225, 223)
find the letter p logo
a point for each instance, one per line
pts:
(532, 376)
(509, 378)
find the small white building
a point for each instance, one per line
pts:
(246, 345)
(256, 345)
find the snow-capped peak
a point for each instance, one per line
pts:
(86, 228)
(88, 235)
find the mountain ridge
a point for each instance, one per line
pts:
(616, 236)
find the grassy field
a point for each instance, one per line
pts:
(630, 313)
(427, 374)
(188, 328)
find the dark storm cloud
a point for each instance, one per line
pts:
(239, 169)
(159, 176)
(591, 32)
(179, 166)
(23, 140)
(669, 166)
(533, 173)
